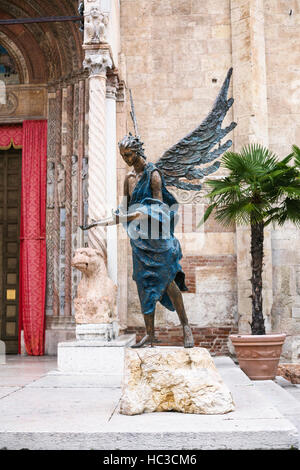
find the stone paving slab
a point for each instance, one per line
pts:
(286, 403)
(17, 380)
(57, 410)
(70, 411)
(4, 391)
(293, 389)
(59, 380)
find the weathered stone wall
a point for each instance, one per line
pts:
(282, 39)
(177, 56)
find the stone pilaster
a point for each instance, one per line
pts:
(56, 233)
(249, 72)
(122, 298)
(251, 114)
(68, 203)
(76, 231)
(61, 183)
(50, 198)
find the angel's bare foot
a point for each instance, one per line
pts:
(188, 339)
(146, 341)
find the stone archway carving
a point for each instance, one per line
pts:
(17, 56)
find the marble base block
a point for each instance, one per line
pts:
(94, 356)
(97, 331)
(173, 379)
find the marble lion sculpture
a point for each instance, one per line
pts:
(96, 293)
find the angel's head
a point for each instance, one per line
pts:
(131, 148)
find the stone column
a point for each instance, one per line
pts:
(97, 61)
(251, 114)
(80, 154)
(85, 162)
(111, 174)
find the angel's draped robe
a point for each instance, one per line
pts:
(155, 250)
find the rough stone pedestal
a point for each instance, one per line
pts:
(173, 379)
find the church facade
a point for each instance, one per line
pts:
(64, 105)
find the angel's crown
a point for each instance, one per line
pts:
(134, 143)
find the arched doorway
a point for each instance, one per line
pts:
(40, 69)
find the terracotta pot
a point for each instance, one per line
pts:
(258, 355)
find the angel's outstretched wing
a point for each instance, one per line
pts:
(183, 159)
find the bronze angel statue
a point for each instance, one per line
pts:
(148, 204)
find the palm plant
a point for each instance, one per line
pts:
(259, 189)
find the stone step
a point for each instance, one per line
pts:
(59, 411)
(284, 401)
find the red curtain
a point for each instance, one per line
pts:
(11, 135)
(33, 236)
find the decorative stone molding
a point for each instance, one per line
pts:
(50, 184)
(111, 86)
(85, 188)
(17, 56)
(61, 178)
(98, 331)
(10, 104)
(74, 173)
(97, 62)
(187, 197)
(121, 90)
(95, 24)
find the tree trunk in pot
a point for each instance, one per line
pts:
(257, 253)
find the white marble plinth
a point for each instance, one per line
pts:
(97, 331)
(94, 356)
(173, 379)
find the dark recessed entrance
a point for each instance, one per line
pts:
(10, 204)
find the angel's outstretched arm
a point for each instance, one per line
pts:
(117, 216)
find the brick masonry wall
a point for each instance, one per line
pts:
(191, 263)
(214, 339)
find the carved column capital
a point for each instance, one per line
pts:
(97, 61)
